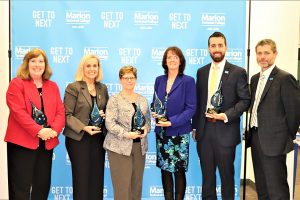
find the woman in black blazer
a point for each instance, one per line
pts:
(84, 139)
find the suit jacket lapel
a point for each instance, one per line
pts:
(268, 83)
(86, 93)
(99, 96)
(176, 83)
(253, 89)
(204, 77)
(225, 73)
(162, 87)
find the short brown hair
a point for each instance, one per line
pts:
(217, 34)
(127, 69)
(79, 76)
(23, 70)
(179, 53)
(269, 42)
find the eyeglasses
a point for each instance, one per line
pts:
(129, 78)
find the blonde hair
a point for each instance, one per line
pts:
(127, 69)
(23, 70)
(269, 42)
(79, 76)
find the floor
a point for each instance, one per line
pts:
(251, 192)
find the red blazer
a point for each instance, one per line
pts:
(22, 129)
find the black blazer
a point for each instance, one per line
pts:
(278, 112)
(236, 100)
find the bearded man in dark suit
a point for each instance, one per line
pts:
(218, 133)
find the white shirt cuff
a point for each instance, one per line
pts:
(226, 119)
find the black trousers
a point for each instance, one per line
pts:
(87, 159)
(212, 156)
(29, 172)
(270, 172)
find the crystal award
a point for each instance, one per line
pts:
(38, 116)
(216, 101)
(159, 108)
(139, 120)
(95, 118)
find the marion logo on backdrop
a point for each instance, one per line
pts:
(157, 54)
(146, 19)
(156, 191)
(180, 20)
(111, 20)
(150, 159)
(145, 89)
(213, 19)
(78, 19)
(101, 52)
(43, 18)
(234, 55)
(20, 51)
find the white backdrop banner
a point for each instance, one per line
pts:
(126, 33)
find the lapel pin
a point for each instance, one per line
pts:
(226, 72)
(271, 78)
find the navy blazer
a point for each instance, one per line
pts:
(236, 101)
(181, 104)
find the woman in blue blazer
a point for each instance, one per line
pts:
(178, 92)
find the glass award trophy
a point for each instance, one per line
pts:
(139, 120)
(216, 101)
(95, 117)
(38, 116)
(159, 108)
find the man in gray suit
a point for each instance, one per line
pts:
(275, 118)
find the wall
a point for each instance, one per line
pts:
(277, 20)
(4, 83)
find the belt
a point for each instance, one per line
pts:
(213, 120)
(254, 128)
(136, 140)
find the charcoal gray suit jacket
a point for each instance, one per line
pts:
(278, 112)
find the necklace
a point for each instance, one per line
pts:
(169, 84)
(91, 88)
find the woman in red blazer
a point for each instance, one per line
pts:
(30, 140)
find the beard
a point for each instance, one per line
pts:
(217, 58)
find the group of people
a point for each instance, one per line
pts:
(210, 108)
